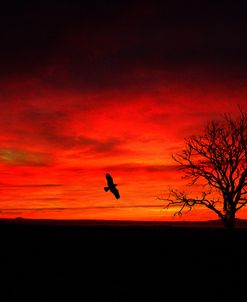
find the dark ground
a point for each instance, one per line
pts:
(51, 262)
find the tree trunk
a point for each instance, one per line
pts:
(229, 219)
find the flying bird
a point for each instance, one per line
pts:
(111, 186)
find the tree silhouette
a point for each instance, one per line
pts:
(217, 160)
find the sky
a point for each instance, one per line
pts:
(95, 87)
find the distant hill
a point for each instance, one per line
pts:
(240, 223)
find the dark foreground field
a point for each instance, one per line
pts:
(126, 262)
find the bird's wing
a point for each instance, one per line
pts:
(116, 193)
(109, 179)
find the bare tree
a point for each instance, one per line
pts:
(218, 161)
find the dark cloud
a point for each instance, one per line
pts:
(99, 44)
(88, 144)
(50, 128)
(31, 185)
(80, 142)
(61, 209)
(131, 167)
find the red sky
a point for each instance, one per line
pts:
(82, 95)
(57, 145)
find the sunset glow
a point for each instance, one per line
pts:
(57, 146)
(73, 116)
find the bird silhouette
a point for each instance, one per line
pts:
(111, 186)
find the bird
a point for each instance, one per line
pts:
(111, 186)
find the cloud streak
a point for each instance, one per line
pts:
(18, 157)
(31, 185)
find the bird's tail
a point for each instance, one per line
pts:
(106, 189)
